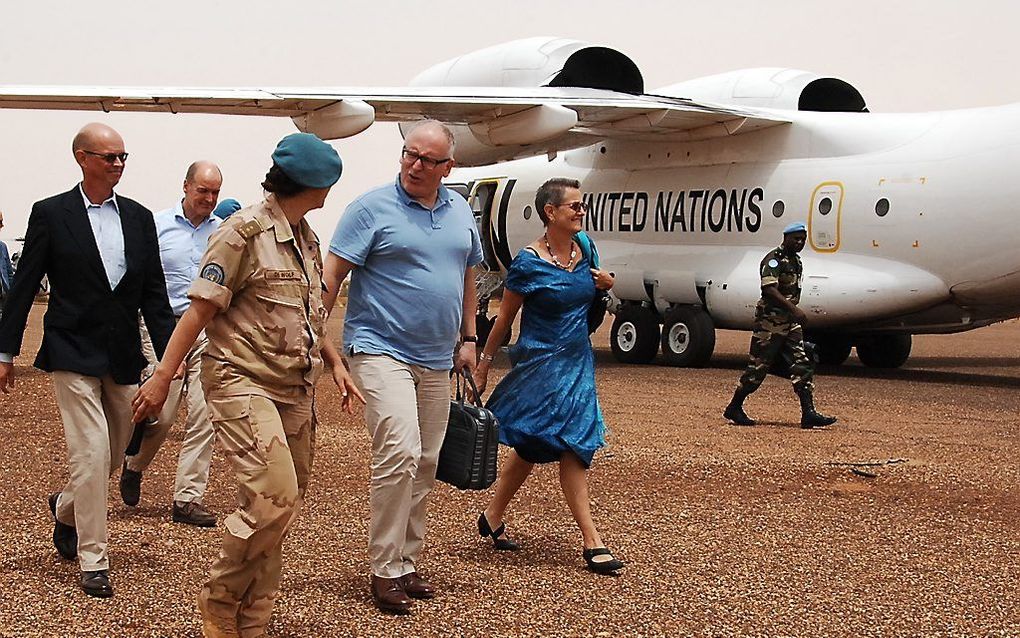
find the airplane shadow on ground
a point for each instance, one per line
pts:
(913, 373)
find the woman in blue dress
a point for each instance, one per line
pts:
(546, 405)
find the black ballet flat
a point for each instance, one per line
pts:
(604, 567)
(500, 541)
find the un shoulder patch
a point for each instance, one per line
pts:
(214, 273)
(773, 263)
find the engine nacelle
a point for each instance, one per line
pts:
(531, 62)
(774, 88)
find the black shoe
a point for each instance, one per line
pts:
(97, 583)
(130, 486)
(65, 537)
(736, 414)
(500, 541)
(193, 513)
(809, 417)
(605, 567)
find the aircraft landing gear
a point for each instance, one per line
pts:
(883, 350)
(832, 349)
(688, 337)
(635, 334)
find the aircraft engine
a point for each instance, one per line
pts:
(531, 62)
(788, 89)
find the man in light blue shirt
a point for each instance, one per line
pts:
(183, 233)
(411, 246)
(6, 271)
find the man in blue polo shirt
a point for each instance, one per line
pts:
(411, 246)
(183, 232)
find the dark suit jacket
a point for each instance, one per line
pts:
(88, 328)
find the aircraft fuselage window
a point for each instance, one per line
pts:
(882, 207)
(527, 212)
(825, 206)
(778, 208)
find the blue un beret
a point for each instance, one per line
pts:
(795, 227)
(308, 160)
(226, 208)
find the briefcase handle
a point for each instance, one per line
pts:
(469, 380)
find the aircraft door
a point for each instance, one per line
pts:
(488, 199)
(824, 217)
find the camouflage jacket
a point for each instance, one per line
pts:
(267, 284)
(784, 270)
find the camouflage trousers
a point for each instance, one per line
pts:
(776, 336)
(270, 445)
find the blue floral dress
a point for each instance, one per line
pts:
(546, 404)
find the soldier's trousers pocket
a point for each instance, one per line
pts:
(239, 433)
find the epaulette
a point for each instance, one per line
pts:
(255, 226)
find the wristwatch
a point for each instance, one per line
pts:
(470, 339)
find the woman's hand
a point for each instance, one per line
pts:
(480, 375)
(603, 279)
(348, 391)
(151, 396)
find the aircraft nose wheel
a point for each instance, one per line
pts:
(688, 337)
(635, 335)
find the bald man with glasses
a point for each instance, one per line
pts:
(99, 250)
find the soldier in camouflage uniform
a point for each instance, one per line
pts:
(259, 297)
(778, 331)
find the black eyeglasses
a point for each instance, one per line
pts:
(109, 158)
(411, 157)
(577, 207)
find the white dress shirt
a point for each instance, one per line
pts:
(105, 221)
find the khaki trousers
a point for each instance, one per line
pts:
(197, 446)
(269, 445)
(96, 413)
(406, 411)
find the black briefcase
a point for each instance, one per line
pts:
(467, 460)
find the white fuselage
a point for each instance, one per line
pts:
(690, 222)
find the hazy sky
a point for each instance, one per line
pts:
(902, 55)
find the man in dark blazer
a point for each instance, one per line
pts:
(100, 252)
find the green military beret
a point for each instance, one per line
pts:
(308, 160)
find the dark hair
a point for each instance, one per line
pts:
(278, 183)
(552, 193)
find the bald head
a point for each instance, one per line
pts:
(94, 134)
(201, 190)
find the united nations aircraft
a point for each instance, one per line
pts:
(912, 218)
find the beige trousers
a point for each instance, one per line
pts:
(270, 446)
(406, 410)
(97, 426)
(197, 446)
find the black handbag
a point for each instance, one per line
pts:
(467, 459)
(600, 302)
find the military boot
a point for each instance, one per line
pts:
(809, 417)
(735, 410)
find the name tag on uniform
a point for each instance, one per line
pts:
(283, 275)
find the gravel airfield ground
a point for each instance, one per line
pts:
(762, 531)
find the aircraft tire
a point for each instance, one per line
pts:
(483, 326)
(688, 337)
(884, 351)
(832, 349)
(635, 335)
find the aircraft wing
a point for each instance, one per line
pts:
(547, 118)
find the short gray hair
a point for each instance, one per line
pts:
(551, 192)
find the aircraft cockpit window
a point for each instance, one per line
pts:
(882, 207)
(825, 206)
(778, 208)
(527, 212)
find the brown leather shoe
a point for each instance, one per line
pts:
(389, 595)
(193, 513)
(417, 587)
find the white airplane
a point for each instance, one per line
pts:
(912, 218)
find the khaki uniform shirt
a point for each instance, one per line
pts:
(267, 283)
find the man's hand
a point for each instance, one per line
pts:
(6, 377)
(348, 391)
(466, 357)
(150, 397)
